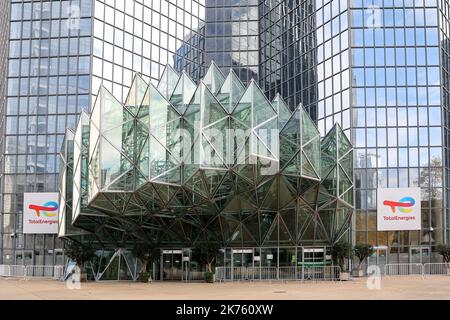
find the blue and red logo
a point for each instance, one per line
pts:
(403, 205)
(48, 210)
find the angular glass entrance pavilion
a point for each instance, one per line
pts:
(181, 164)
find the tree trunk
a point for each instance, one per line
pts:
(144, 267)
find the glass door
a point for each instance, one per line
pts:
(243, 264)
(24, 257)
(379, 257)
(419, 254)
(313, 256)
(172, 265)
(313, 262)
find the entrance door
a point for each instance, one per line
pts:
(313, 262)
(172, 265)
(379, 257)
(243, 264)
(24, 257)
(313, 256)
(419, 254)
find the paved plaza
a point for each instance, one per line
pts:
(401, 288)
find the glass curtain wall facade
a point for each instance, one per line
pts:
(4, 36)
(397, 118)
(232, 37)
(380, 69)
(444, 31)
(48, 81)
(59, 53)
(142, 37)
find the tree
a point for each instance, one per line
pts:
(444, 251)
(145, 252)
(362, 251)
(340, 251)
(78, 252)
(206, 253)
(430, 180)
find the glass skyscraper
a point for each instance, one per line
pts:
(59, 53)
(379, 68)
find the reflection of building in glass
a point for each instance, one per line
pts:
(232, 37)
(59, 54)
(377, 72)
(289, 52)
(220, 183)
(397, 115)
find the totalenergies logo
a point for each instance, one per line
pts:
(403, 205)
(47, 210)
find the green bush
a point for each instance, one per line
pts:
(444, 251)
(340, 252)
(209, 277)
(144, 276)
(362, 251)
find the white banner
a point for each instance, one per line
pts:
(399, 209)
(40, 213)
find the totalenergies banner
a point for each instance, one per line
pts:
(398, 209)
(40, 213)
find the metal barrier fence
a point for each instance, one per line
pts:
(431, 269)
(196, 276)
(21, 271)
(13, 271)
(403, 269)
(305, 273)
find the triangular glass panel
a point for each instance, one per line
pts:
(231, 91)
(289, 221)
(112, 163)
(243, 110)
(272, 234)
(285, 196)
(309, 130)
(307, 169)
(183, 93)
(112, 112)
(211, 109)
(167, 82)
(252, 225)
(343, 142)
(268, 135)
(346, 163)
(172, 176)
(160, 158)
(284, 113)
(291, 131)
(197, 184)
(159, 111)
(214, 78)
(344, 182)
(124, 183)
(262, 109)
(136, 95)
(271, 199)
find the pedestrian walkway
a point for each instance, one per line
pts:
(401, 288)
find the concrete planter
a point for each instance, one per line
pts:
(83, 277)
(358, 273)
(344, 276)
